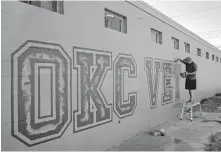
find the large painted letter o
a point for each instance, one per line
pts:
(41, 92)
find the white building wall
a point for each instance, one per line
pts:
(82, 25)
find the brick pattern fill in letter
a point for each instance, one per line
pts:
(92, 67)
(153, 75)
(27, 63)
(124, 107)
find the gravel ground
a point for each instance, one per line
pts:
(182, 135)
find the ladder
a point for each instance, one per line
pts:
(190, 106)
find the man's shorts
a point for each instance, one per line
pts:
(190, 84)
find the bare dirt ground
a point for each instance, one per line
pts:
(202, 134)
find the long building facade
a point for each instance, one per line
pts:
(89, 75)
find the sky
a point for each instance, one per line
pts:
(200, 17)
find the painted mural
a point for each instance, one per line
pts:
(176, 72)
(167, 95)
(41, 90)
(92, 67)
(29, 124)
(122, 107)
(153, 72)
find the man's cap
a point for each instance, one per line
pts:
(188, 60)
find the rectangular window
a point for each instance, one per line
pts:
(220, 60)
(115, 21)
(55, 6)
(156, 36)
(217, 59)
(175, 43)
(187, 47)
(213, 57)
(207, 55)
(198, 52)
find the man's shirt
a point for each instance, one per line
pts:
(192, 67)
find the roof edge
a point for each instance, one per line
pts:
(164, 18)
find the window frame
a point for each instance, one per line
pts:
(122, 19)
(207, 57)
(174, 43)
(199, 52)
(185, 46)
(53, 4)
(158, 35)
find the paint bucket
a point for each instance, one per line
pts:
(183, 75)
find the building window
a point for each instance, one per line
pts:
(220, 60)
(207, 55)
(198, 52)
(175, 43)
(213, 57)
(217, 59)
(156, 36)
(115, 21)
(55, 6)
(187, 47)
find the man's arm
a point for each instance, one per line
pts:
(178, 59)
(191, 73)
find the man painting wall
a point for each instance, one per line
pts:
(190, 84)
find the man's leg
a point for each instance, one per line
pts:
(192, 101)
(190, 92)
(185, 104)
(191, 96)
